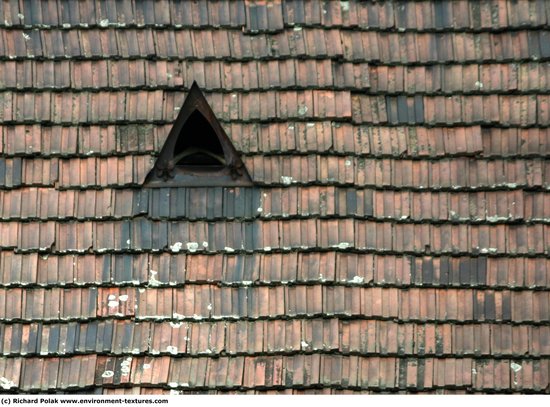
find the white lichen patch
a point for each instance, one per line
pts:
(302, 110)
(111, 297)
(209, 307)
(342, 245)
(192, 246)
(286, 180)
(495, 218)
(357, 280)
(175, 315)
(6, 383)
(228, 249)
(125, 366)
(176, 247)
(205, 244)
(172, 384)
(108, 373)
(515, 367)
(153, 278)
(123, 298)
(479, 85)
(176, 324)
(304, 344)
(344, 5)
(146, 366)
(172, 349)
(113, 304)
(26, 37)
(104, 23)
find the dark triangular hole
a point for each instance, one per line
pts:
(197, 151)
(203, 147)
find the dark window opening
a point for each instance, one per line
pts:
(197, 151)
(202, 146)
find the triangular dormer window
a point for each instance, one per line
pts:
(197, 152)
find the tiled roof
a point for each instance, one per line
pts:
(397, 238)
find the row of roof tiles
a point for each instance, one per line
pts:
(291, 137)
(459, 78)
(258, 75)
(146, 235)
(325, 268)
(258, 16)
(273, 203)
(367, 337)
(156, 391)
(357, 46)
(210, 75)
(382, 373)
(161, 106)
(204, 302)
(453, 174)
